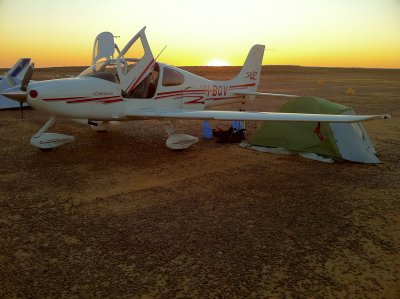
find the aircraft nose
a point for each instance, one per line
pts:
(15, 93)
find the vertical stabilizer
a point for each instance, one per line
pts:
(249, 76)
(19, 68)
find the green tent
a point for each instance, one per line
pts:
(336, 141)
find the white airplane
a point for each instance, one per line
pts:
(137, 87)
(13, 78)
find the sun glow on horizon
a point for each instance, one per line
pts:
(218, 62)
(359, 33)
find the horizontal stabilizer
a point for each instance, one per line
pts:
(240, 115)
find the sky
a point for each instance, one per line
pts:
(345, 33)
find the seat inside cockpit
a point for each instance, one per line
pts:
(146, 89)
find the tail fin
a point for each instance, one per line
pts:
(19, 68)
(249, 76)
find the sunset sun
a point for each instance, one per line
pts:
(218, 62)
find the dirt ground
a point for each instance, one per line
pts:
(118, 214)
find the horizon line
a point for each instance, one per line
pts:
(234, 66)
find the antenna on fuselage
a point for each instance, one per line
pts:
(160, 53)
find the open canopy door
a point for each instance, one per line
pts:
(141, 62)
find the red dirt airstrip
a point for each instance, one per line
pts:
(118, 214)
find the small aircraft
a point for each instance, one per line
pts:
(13, 78)
(135, 86)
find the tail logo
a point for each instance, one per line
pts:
(251, 75)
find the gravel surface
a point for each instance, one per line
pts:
(119, 215)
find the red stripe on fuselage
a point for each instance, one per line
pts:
(93, 99)
(112, 101)
(63, 99)
(77, 100)
(223, 98)
(82, 101)
(182, 91)
(179, 93)
(199, 100)
(241, 85)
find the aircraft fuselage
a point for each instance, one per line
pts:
(99, 99)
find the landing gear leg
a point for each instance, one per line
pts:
(177, 141)
(169, 126)
(46, 141)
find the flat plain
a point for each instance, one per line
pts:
(118, 214)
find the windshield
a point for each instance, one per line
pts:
(105, 70)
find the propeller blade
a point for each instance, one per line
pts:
(27, 77)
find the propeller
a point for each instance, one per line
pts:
(19, 93)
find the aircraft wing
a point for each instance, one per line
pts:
(264, 94)
(243, 115)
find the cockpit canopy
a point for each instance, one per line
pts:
(134, 70)
(107, 70)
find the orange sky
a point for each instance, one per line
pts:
(358, 33)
